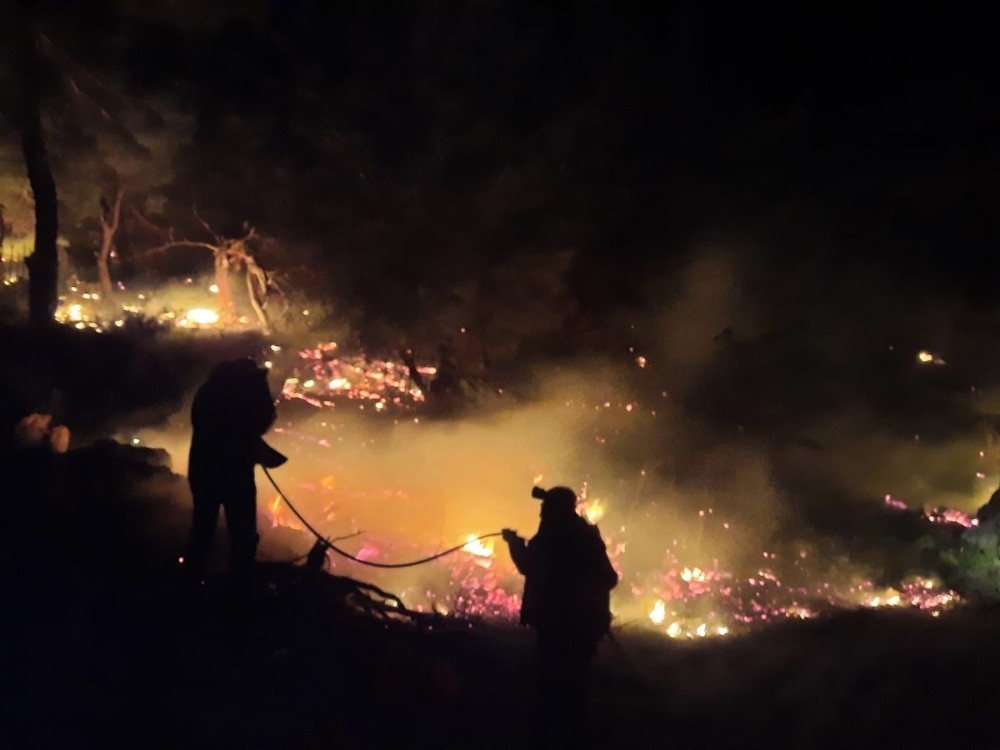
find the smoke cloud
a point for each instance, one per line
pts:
(755, 413)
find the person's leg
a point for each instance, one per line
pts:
(546, 720)
(575, 694)
(204, 518)
(241, 522)
(563, 667)
(554, 690)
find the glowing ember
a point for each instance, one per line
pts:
(167, 309)
(951, 515)
(685, 593)
(926, 358)
(688, 600)
(894, 503)
(202, 316)
(692, 574)
(324, 376)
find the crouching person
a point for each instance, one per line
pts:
(232, 410)
(568, 580)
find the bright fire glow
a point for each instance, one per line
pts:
(202, 316)
(706, 596)
(592, 510)
(688, 595)
(479, 547)
(927, 358)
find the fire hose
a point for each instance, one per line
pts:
(324, 544)
(328, 543)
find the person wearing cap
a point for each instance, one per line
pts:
(231, 412)
(568, 579)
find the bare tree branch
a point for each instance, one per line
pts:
(229, 255)
(110, 220)
(111, 214)
(219, 241)
(150, 227)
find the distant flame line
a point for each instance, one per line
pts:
(330, 545)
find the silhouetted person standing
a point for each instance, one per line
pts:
(231, 412)
(568, 580)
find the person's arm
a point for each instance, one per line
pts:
(267, 456)
(519, 551)
(262, 412)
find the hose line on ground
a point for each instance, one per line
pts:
(371, 563)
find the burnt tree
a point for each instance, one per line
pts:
(110, 219)
(232, 254)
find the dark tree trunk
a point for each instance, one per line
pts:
(43, 264)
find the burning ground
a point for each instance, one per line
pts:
(111, 651)
(789, 515)
(741, 474)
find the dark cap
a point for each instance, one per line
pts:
(561, 497)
